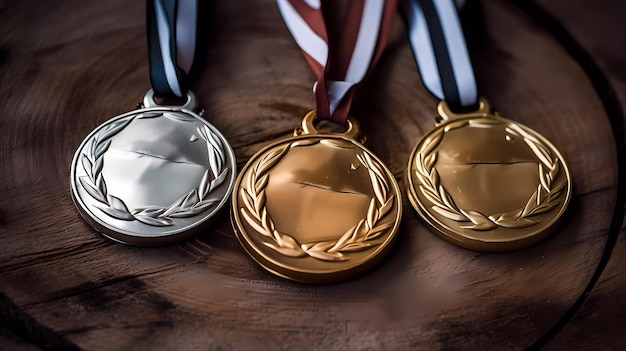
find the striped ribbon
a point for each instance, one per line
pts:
(438, 43)
(172, 27)
(339, 67)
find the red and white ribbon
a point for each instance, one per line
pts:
(339, 67)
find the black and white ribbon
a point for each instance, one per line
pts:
(438, 43)
(172, 31)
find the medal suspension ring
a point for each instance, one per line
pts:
(541, 201)
(188, 205)
(357, 238)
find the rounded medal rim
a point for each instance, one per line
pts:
(166, 237)
(344, 271)
(486, 245)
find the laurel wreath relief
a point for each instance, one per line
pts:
(357, 238)
(188, 205)
(541, 201)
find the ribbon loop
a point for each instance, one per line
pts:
(338, 69)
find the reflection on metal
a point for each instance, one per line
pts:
(487, 183)
(153, 176)
(316, 207)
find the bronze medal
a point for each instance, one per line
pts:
(316, 207)
(487, 183)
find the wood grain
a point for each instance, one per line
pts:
(67, 67)
(595, 29)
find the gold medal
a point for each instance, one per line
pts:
(487, 183)
(316, 208)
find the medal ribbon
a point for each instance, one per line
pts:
(438, 43)
(339, 68)
(172, 26)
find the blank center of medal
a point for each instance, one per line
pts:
(153, 162)
(313, 194)
(487, 169)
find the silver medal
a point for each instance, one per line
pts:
(153, 176)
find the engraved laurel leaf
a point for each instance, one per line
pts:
(270, 159)
(327, 256)
(480, 221)
(555, 169)
(372, 213)
(543, 178)
(424, 179)
(204, 186)
(374, 166)
(179, 117)
(447, 199)
(117, 204)
(265, 221)
(285, 240)
(285, 250)
(254, 223)
(117, 214)
(262, 182)
(386, 207)
(356, 247)
(431, 196)
(191, 199)
(247, 200)
(345, 237)
(174, 206)
(152, 211)
(377, 231)
(157, 222)
(449, 214)
(97, 166)
(202, 205)
(113, 129)
(434, 178)
(102, 148)
(544, 208)
(101, 185)
(185, 213)
(87, 166)
(260, 201)
(530, 204)
(219, 180)
(213, 162)
(214, 146)
(518, 223)
(91, 190)
(432, 143)
(540, 153)
(319, 246)
(507, 216)
(379, 191)
(430, 160)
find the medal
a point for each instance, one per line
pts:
(478, 180)
(159, 174)
(320, 207)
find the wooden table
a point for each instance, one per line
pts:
(67, 66)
